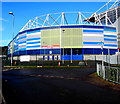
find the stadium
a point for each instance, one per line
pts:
(57, 37)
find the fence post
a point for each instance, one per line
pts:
(117, 76)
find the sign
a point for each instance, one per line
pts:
(50, 46)
(50, 52)
(25, 58)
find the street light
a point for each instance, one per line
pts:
(11, 13)
(63, 46)
(71, 56)
(102, 44)
(13, 21)
(109, 57)
(44, 43)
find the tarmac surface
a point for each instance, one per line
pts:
(54, 86)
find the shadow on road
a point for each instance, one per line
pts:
(54, 86)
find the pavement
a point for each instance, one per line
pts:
(68, 85)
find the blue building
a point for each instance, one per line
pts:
(68, 42)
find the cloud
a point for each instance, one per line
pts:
(4, 42)
(2, 19)
(1, 28)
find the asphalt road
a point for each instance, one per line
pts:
(54, 86)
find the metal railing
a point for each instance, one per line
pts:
(109, 73)
(112, 74)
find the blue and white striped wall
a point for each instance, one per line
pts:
(29, 42)
(110, 38)
(33, 40)
(92, 37)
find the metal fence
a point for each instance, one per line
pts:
(112, 59)
(112, 74)
(109, 73)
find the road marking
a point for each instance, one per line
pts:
(51, 76)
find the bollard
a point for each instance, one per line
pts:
(58, 63)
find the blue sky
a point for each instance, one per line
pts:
(25, 11)
(56, 0)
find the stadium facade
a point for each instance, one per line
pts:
(109, 17)
(114, 17)
(68, 42)
(56, 37)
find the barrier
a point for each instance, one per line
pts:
(109, 73)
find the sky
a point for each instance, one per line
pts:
(25, 11)
(56, 0)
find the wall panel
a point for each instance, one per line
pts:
(71, 38)
(92, 37)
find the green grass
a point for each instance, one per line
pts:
(42, 66)
(20, 66)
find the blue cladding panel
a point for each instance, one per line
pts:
(105, 51)
(33, 39)
(22, 42)
(33, 52)
(74, 57)
(56, 51)
(77, 57)
(22, 46)
(22, 37)
(22, 52)
(87, 51)
(33, 46)
(72, 26)
(110, 36)
(48, 58)
(106, 39)
(33, 42)
(22, 49)
(91, 42)
(16, 53)
(97, 51)
(32, 31)
(111, 30)
(66, 57)
(99, 31)
(82, 26)
(43, 51)
(111, 45)
(113, 51)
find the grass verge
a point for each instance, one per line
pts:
(43, 66)
(95, 79)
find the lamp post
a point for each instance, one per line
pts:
(45, 43)
(109, 57)
(103, 70)
(102, 44)
(63, 46)
(13, 21)
(71, 56)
